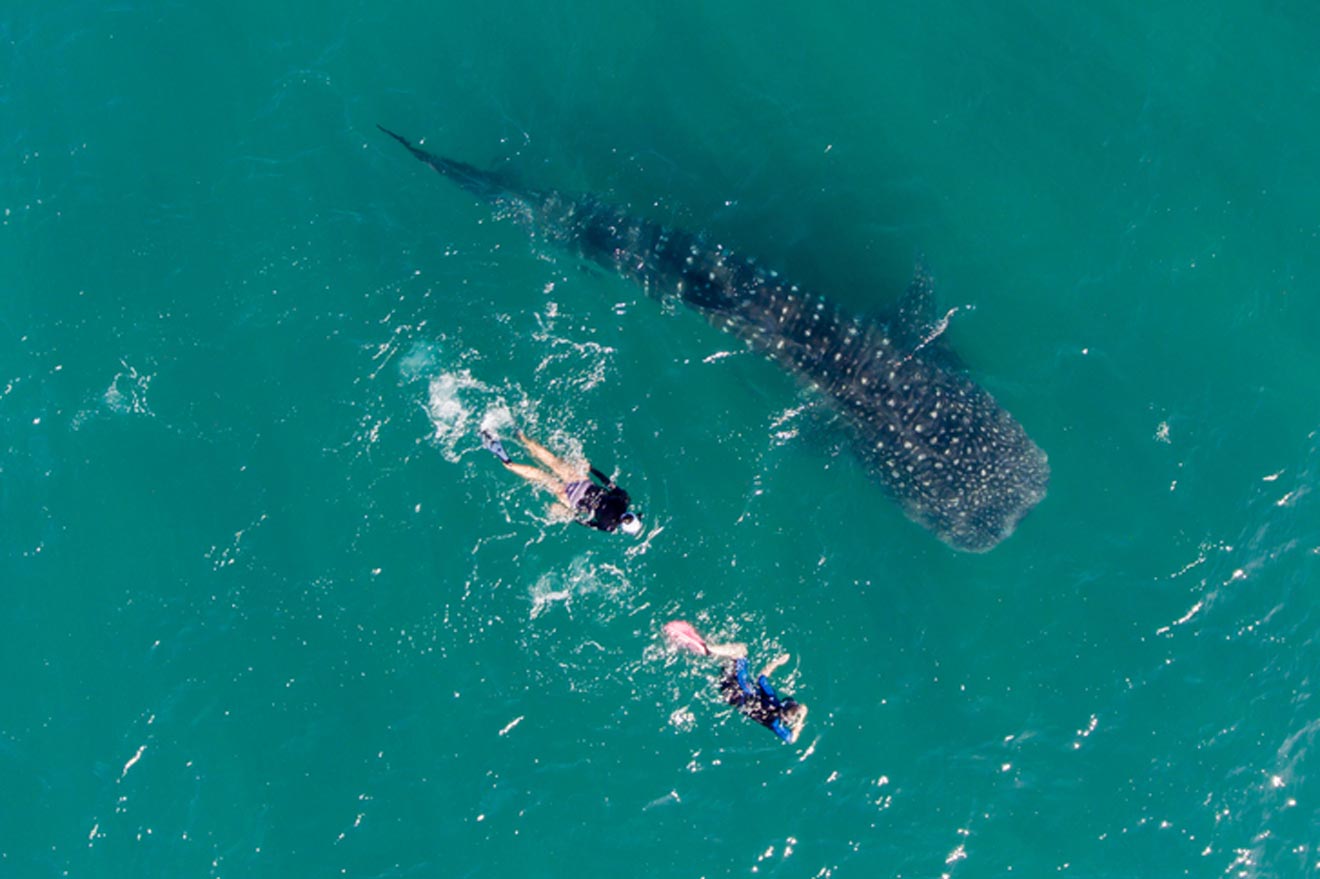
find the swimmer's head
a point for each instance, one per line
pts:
(795, 717)
(630, 524)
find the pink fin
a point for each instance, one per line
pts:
(681, 634)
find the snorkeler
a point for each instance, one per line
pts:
(591, 497)
(784, 716)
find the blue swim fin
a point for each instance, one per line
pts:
(492, 445)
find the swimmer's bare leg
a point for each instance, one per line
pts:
(774, 664)
(727, 651)
(536, 476)
(541, 479)
(565, 471)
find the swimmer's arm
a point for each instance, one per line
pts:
(560, 511)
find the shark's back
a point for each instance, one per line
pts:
(956, 461)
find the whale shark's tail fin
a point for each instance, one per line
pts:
(474, 180)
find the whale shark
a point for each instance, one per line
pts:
(954, 459)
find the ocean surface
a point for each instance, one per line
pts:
(268, 609)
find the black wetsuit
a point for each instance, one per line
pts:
(761, 703)
(599, 504)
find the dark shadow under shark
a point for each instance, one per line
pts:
(956, 461)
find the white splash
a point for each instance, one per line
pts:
(127, 394)
(1185, 618)
(454, 400)
(1291, 497)
(1085, 733)
(641, 547)
(683, 720)
(132, 761)
(543, 599)
(782, 427)
(671, 797)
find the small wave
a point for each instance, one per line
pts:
(127, 394)
(578, 622)
(579, 366)
(422, 359)
(583, 578)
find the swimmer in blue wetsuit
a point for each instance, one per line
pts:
(782, 715)
(591, 497)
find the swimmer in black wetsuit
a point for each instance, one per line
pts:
(784, 716)
(591, 497)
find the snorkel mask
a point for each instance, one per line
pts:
(630, 524)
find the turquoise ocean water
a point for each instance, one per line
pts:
(268, 609)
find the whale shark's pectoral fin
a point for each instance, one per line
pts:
(591, 271)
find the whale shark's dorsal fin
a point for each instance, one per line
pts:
(918, 326)
(915, 320)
